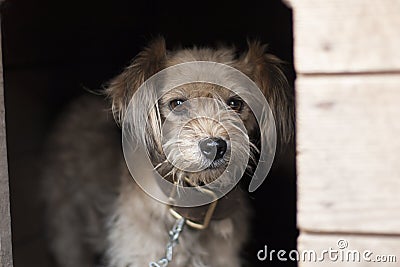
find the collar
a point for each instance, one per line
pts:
(199, 217)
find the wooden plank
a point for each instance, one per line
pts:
(346, 35)
(348, 153)
(5, 222)
(351, 250)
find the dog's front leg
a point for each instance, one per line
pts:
(137, 231)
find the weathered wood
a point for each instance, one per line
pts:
(346, 36)
(369, 250)
(348, 158)
(5, 222)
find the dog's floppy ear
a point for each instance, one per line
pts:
(121, 89)
(267, 72)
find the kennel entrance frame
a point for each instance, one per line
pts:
(5, 219)
(347, 60)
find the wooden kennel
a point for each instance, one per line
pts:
(347, 59)
(348, 128)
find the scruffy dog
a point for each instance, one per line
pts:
(96, 212)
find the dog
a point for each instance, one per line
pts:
(97, 214)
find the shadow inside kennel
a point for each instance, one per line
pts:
(53, 51)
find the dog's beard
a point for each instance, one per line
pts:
(183, 156)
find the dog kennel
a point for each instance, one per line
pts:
(347, 93)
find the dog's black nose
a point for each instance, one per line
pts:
(213, 148)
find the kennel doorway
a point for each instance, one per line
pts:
(53, 51)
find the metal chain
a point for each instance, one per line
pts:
(173, 241)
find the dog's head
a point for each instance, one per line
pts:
(195, 129)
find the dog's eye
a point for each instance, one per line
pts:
(177, 105)
(235, 104)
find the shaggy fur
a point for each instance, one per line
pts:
(95, 208)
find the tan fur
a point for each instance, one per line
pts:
(93, 204)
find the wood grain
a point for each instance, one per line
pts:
(5, 222)
(348, 153)
(346, 36)
(360, 250)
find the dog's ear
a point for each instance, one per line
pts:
(148, 62)
(267, 72)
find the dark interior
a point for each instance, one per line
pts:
(53, 51)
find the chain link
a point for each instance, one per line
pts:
(172, 242)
